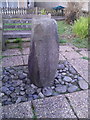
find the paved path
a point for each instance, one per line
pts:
(71, 105)
(69, 53)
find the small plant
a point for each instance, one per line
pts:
(43, 12)
(7, 41)
(80, 27)
(18, 40)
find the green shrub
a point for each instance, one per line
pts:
(80, 27)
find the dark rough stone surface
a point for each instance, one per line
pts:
(47, 91)
(82, 83)
(72, 70)
(43, 60)
(61, 88)
(22, 76)
(72, 88)
(67, 79)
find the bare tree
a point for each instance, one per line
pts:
(73, 11)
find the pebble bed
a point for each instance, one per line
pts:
(16, 86)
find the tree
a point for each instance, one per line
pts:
(73, 11)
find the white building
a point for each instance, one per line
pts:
(32, 3)
(16, 3)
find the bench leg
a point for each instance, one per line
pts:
(3, 43)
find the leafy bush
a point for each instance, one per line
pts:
(80, 27)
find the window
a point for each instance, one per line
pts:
(4, 4)
(28, 3)
(9, 3)
(13, 3)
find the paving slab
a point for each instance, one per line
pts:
(65, 48)
(25, 51)
(84, 53)
(25, 44)
(81, 67)
(21, 110)
(79, 102)
(12, 61)
(1, 112)
(25, 59)
(11, 52)
(61, 57)
(53, 107)
(71, 55)
(89, 104)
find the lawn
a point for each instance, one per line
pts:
(67, 36)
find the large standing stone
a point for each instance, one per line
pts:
(43, 59)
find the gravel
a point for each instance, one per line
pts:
(72, 88)
(67, 79)
(47, 91)
(83, 84)
(16, 87)
(61, 88)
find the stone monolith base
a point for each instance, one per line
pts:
(44, 52)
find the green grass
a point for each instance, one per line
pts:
(18, 40)
(13, 47)
(14, 29)
(18, 24)
(85, 58)
(62, 41)
(63, 27)
(80, 43)
(1, 57)
(66, 30)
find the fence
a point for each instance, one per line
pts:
(22, 11)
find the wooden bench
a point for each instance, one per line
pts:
(14, 28)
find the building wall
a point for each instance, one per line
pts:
(50, 4)
(54, 4)
(16, 3)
